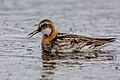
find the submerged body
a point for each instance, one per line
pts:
(64, 42)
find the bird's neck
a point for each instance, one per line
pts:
(46, 39)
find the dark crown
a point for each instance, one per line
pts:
(45, 21)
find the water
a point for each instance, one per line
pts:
(21, 58)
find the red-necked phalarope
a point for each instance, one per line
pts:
(64, 42)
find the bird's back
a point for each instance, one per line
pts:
(64, 42)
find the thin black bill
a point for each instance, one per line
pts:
(33, 33)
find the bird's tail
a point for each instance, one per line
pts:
(108, 39)
(111, 39)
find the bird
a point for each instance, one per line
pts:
(52, 41)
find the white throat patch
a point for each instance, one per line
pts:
(46, 31)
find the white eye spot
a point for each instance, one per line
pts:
(46, 31)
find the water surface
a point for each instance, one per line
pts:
(21, 58)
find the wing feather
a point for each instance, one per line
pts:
(64, 41)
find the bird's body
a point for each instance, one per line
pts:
(64, 42)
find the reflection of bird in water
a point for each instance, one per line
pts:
(48, 71)
(106, 55)
(51, 61)
(64, 42)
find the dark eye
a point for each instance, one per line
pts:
(45, 26)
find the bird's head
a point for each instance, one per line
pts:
(46, 27)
